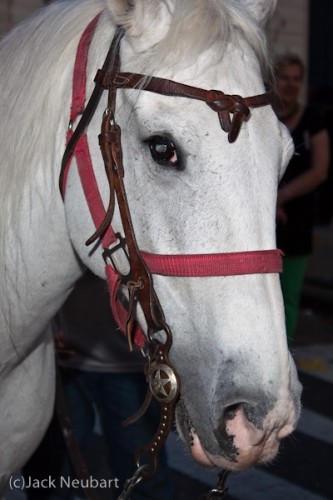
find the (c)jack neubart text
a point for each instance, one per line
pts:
(25, 483)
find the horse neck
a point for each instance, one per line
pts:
(38, 264)
(40, 270)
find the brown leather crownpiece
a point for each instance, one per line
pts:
(223, 104)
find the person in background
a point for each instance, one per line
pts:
(101, 378)
(306, 171)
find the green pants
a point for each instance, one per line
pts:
(292, 278)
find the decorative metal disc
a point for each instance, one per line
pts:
(163, 383)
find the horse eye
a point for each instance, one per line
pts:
(163, 151)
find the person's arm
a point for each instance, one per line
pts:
(312, 178)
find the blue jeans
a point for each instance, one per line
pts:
(114, 397)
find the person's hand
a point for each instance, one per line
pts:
(62, 351)
(281, 215)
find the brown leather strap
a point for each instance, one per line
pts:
(140, 286)
(72, 446)
(172, 88)
(217, 100)
(164, 385)
(139, 275)
(110, 60)
(141, 290)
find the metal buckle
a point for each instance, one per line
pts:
(220, 490)
(75, 119)
(108, 253)
(130, 483)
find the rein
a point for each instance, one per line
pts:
(232, 111)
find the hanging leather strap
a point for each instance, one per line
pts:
(71, 443)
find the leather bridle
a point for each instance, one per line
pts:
(232, 111)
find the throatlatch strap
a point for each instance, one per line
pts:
(80, 69)
(81, 151)
(78, 90)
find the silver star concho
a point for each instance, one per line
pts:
(163, 383)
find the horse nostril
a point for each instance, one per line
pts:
(230, 411)
(224, 437)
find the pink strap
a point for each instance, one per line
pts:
(88, 179)
(82, 153)
(79, 84)
(80, 70)
(220, 264)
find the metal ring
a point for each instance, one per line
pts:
(163, 388)
(108, 112)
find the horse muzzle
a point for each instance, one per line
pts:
(240, 439)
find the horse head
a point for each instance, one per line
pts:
(191, 191)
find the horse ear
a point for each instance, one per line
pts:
(121, 10)
(136, 16)
(261, 10)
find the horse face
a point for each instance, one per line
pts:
(238, 384)
(190, 191)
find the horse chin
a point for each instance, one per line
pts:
(242, 445)
(253, 454)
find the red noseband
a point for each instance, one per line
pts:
(215, 264)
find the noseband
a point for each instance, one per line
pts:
(232, 110)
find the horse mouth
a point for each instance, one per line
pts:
(183, 422)
(238, 443)
(189, 435)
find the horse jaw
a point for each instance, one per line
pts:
(240, 398)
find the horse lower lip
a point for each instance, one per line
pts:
(285, 431)
(198, 452)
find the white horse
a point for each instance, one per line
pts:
(239, 389)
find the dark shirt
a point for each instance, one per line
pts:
(295, 237)
(90, 330)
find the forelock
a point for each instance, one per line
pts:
(195, 26)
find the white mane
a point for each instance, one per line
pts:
(197, 25)
(31, 57)
(35, 82)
